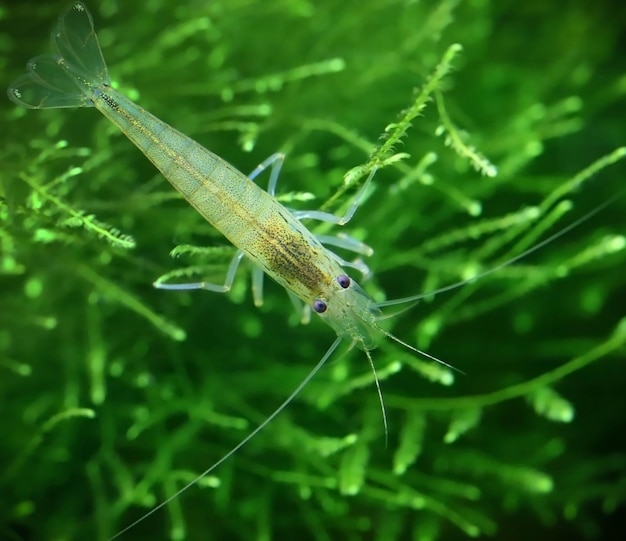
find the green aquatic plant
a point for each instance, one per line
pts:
(115, 395)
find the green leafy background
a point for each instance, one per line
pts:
(114, 394)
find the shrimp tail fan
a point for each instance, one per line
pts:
(73, 74)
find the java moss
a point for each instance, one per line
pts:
(116, 394)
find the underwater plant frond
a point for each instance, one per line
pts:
(454, 139)
(37, 440)
(549, 404)
(411, 442)
(584, 175)
(462, 421)
(75, 217)
(223, 253)
(608, 347)
(382, 155)
(396, 131)
(118, 294)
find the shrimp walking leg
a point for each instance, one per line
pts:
(357, 264)
(223, 288)
(331, 218)
(257, 285)
(347, 243)
(275, 161)
(300, 308)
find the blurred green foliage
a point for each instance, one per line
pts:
(114, 395)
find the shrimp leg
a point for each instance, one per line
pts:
(257, 281)
(275, 161)
(331, 218)
(228, 282)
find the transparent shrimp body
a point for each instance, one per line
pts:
(263, 230)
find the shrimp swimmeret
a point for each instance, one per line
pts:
(268, 234)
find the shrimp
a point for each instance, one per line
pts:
(268, 234)
(271, 236)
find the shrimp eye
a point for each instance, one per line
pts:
(344, 281)
(319, 306)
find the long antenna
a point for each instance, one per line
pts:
(380, 395)
(243, 442)
(524, 254)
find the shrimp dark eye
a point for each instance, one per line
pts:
(319, 306)
(344, 281)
